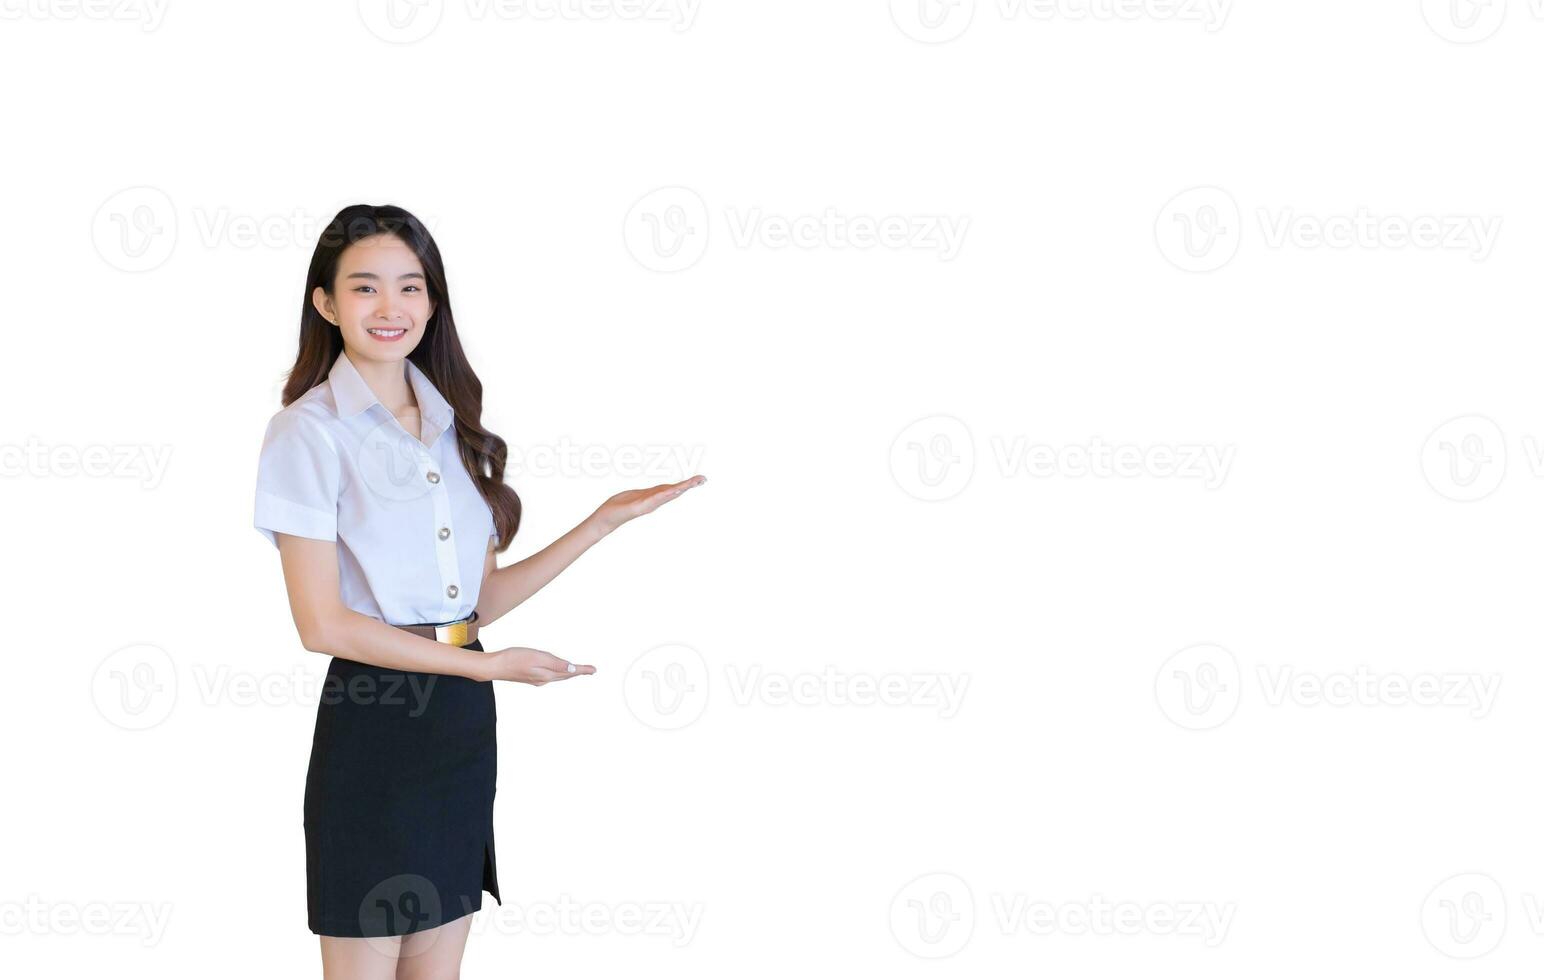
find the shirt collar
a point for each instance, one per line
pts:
(352, 395)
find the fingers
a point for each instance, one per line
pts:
(555, 664)
(550, 668)
(544, 675)
(643, 501)
(676, 489)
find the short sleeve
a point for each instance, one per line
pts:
(297, 480)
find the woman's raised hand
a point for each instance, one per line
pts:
(635, 503)
(534, 667)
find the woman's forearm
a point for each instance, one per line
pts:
(354, 636)
(511, 585)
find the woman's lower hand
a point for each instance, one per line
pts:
(534, 667)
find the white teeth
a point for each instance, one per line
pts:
(386, 333)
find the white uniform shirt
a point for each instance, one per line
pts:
(411, 528)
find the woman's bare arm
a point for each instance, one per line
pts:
(326, 625)
(505, 588)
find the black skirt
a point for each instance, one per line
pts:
(399, 800)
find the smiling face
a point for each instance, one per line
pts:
(380, 299)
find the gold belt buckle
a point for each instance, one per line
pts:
(455, 633)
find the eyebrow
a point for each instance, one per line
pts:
(371, 275)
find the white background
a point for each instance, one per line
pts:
(169, 170)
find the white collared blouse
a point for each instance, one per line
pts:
(411, 527)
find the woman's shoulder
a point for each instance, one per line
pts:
(311, 417)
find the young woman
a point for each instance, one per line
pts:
(385, 497)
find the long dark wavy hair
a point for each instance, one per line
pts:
(438, 355)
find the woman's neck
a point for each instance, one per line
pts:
(388, 379)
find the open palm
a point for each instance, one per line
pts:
(629, 504)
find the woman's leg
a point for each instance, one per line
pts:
(345, 958)
(434, 954)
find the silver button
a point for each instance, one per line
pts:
(444, 533)
(433, 477)
(452, 591)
